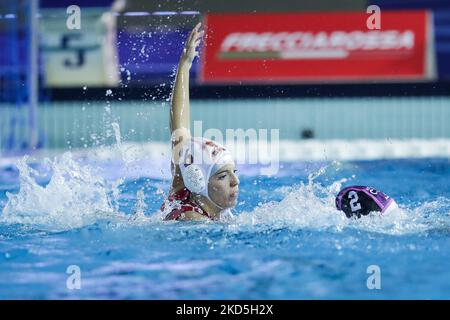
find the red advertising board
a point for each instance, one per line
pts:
(309, 47)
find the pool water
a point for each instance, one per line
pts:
(285, 241)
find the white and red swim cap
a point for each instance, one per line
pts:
(199, 159)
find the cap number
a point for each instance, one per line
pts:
(354, 204)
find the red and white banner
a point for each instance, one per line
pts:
(309, 47)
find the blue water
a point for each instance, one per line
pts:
(286, 241)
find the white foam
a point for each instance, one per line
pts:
(73, 198)
(77, 196)
(311, 206)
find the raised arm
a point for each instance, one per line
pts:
(180, 109)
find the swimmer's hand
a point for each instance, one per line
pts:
(191, 46)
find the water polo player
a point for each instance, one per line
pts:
(204, 185)
(357, 201)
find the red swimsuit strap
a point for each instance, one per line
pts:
(183, 197)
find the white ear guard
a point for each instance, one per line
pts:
(194, 179)
(201, 158)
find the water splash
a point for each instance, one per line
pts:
(307, 205)
(73, 198)
(312, 206)
(128, 153)
(77, 197)
(141, 206)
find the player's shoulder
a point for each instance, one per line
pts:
(192, 216)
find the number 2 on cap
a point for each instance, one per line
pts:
(354, 204)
